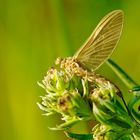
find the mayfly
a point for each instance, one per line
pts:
(98, 47)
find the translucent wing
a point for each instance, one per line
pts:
(100, 45)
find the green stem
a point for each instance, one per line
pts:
(121, 74)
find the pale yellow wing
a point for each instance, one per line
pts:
(103, 40)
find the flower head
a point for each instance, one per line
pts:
(65, 94)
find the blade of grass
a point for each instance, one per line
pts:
(127, 80)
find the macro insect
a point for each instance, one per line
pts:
(97, 48)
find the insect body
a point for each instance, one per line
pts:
(98, 47)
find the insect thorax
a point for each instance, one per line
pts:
(71, 66)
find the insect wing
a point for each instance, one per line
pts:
(103, 40)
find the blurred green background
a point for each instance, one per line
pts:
(32, 34)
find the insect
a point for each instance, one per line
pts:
(97, 48)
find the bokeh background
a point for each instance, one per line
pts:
(32, 34)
